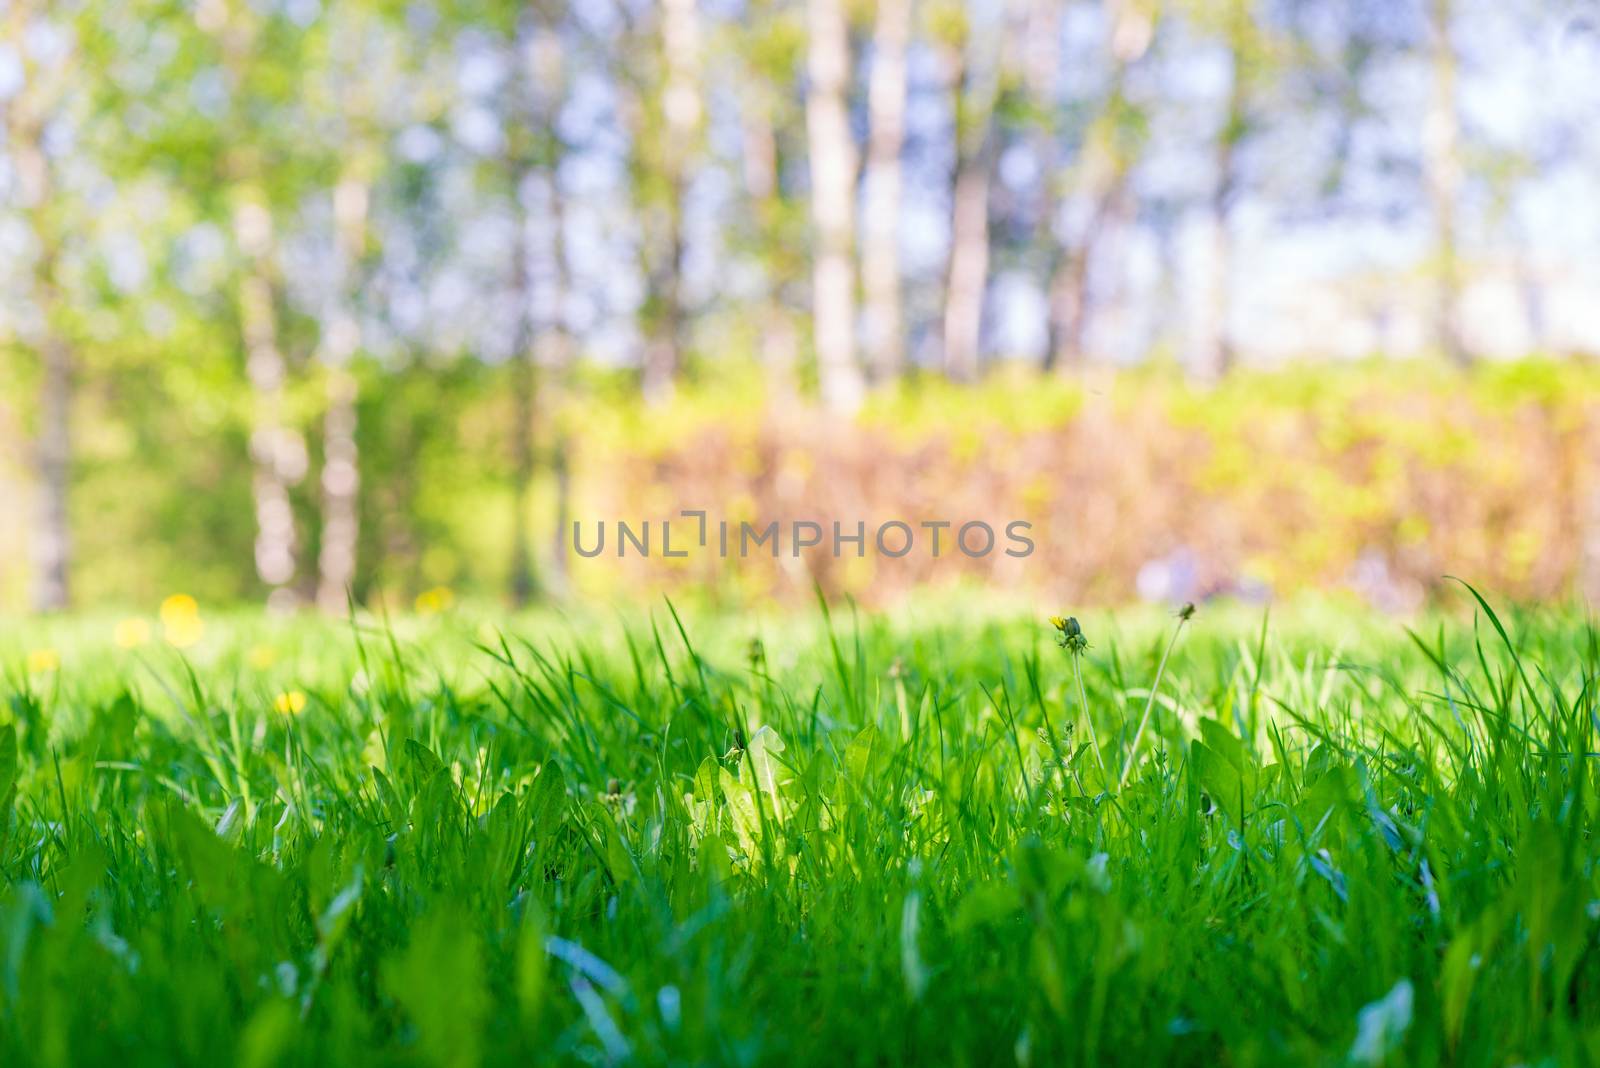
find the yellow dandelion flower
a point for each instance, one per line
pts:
(132, 633)
(432, 602)
(290, 702)
(177, 608)
(43, 660)
(262, 657)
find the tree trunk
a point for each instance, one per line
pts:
(1102, 185)
(760, 159)
(52, 534)
(1215, 356)
(969, 270)
(880, 254)
(1442, 166)
(681, 112)
(832, 208)
(559, 355)
(975, 82)
(663, 352)
(1043, 58)
(277, 452)
(341, 467)
(1069, 298)
(524, 584)
(561, 467)
(26, 116)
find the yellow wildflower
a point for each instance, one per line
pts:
(43, 660)
(178, 607)
(290, 702)
(180, 620)
(432, 602)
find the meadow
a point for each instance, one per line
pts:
(842, 838)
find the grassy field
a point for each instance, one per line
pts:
(864, 840)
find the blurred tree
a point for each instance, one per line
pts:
(1441, 152)
(833, 190)
(1252, 52)
(659, 83)
(1100, 187)
(29, 113)
(1042, 119)
(769, 46)
(972, 62)
(883, 324)
(534, 96)
(252, 147)
(351, 70)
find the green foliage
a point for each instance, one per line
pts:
(872, 844)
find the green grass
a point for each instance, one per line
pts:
(882, 840)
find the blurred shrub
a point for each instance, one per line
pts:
(1379, 478)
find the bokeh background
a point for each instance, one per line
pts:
(301, 299)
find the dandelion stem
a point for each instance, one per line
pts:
(1083, 701)
(1150, 703)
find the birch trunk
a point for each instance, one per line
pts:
(681, 112)
(832, 195)
(882, 324)
(1442, 166)
(277, 452)
(1215, 356)
(1043, 58)
(760, 158)
(51, 535)
(524, 396)
(1101, 186)
(539, 295)
(969, 271)
(524, 389)
(561, 468)
(975, 81)
(558, 347)
(341, 459)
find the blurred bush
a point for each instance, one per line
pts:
(1372, 478)
(1375, 478)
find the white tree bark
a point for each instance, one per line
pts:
(882, 325)
(1441, 137)
(832, 194)
(760, 152)
(26, 116)
(539, 285)
(975, 87)
(277, 451)
(341, 467)
(681, 112)
(1101, 186)
(1214, 357)
(969, 271)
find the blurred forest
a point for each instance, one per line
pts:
(302, 299)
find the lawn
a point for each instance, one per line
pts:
(859, 839)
